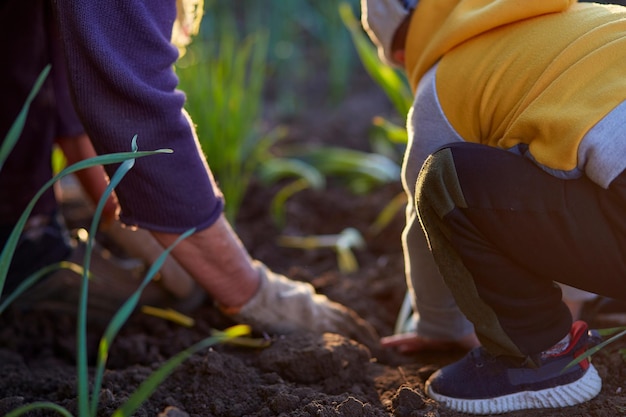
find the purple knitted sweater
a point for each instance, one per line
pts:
(120, 63)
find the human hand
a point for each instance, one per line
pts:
(140, 244)
(284, 306)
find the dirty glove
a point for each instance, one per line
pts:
(281, 305)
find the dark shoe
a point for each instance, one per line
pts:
(484, 384)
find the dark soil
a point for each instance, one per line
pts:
(297, 375)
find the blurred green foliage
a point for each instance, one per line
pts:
(248, 51)
(307, 38)
(245, 51)
(224, 81)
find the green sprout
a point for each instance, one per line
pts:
(224, 84)
(343, 243)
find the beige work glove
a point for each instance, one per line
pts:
(281, 305)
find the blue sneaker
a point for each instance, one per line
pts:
(484, 384)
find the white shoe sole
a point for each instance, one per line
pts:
(576, 392)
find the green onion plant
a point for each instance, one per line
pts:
(389, 79)
(305, 36)
(309, 167)
(360, 171)
(224, 82)
(387, 136)
(613, 334)
(343, 244)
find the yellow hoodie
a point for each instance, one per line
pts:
(540, 72)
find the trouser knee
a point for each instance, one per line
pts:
(438, 187)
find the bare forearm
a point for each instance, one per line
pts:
(217, 260)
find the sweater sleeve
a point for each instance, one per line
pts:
(120, 62)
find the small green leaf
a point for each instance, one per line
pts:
(18, 124)
(593, 350)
